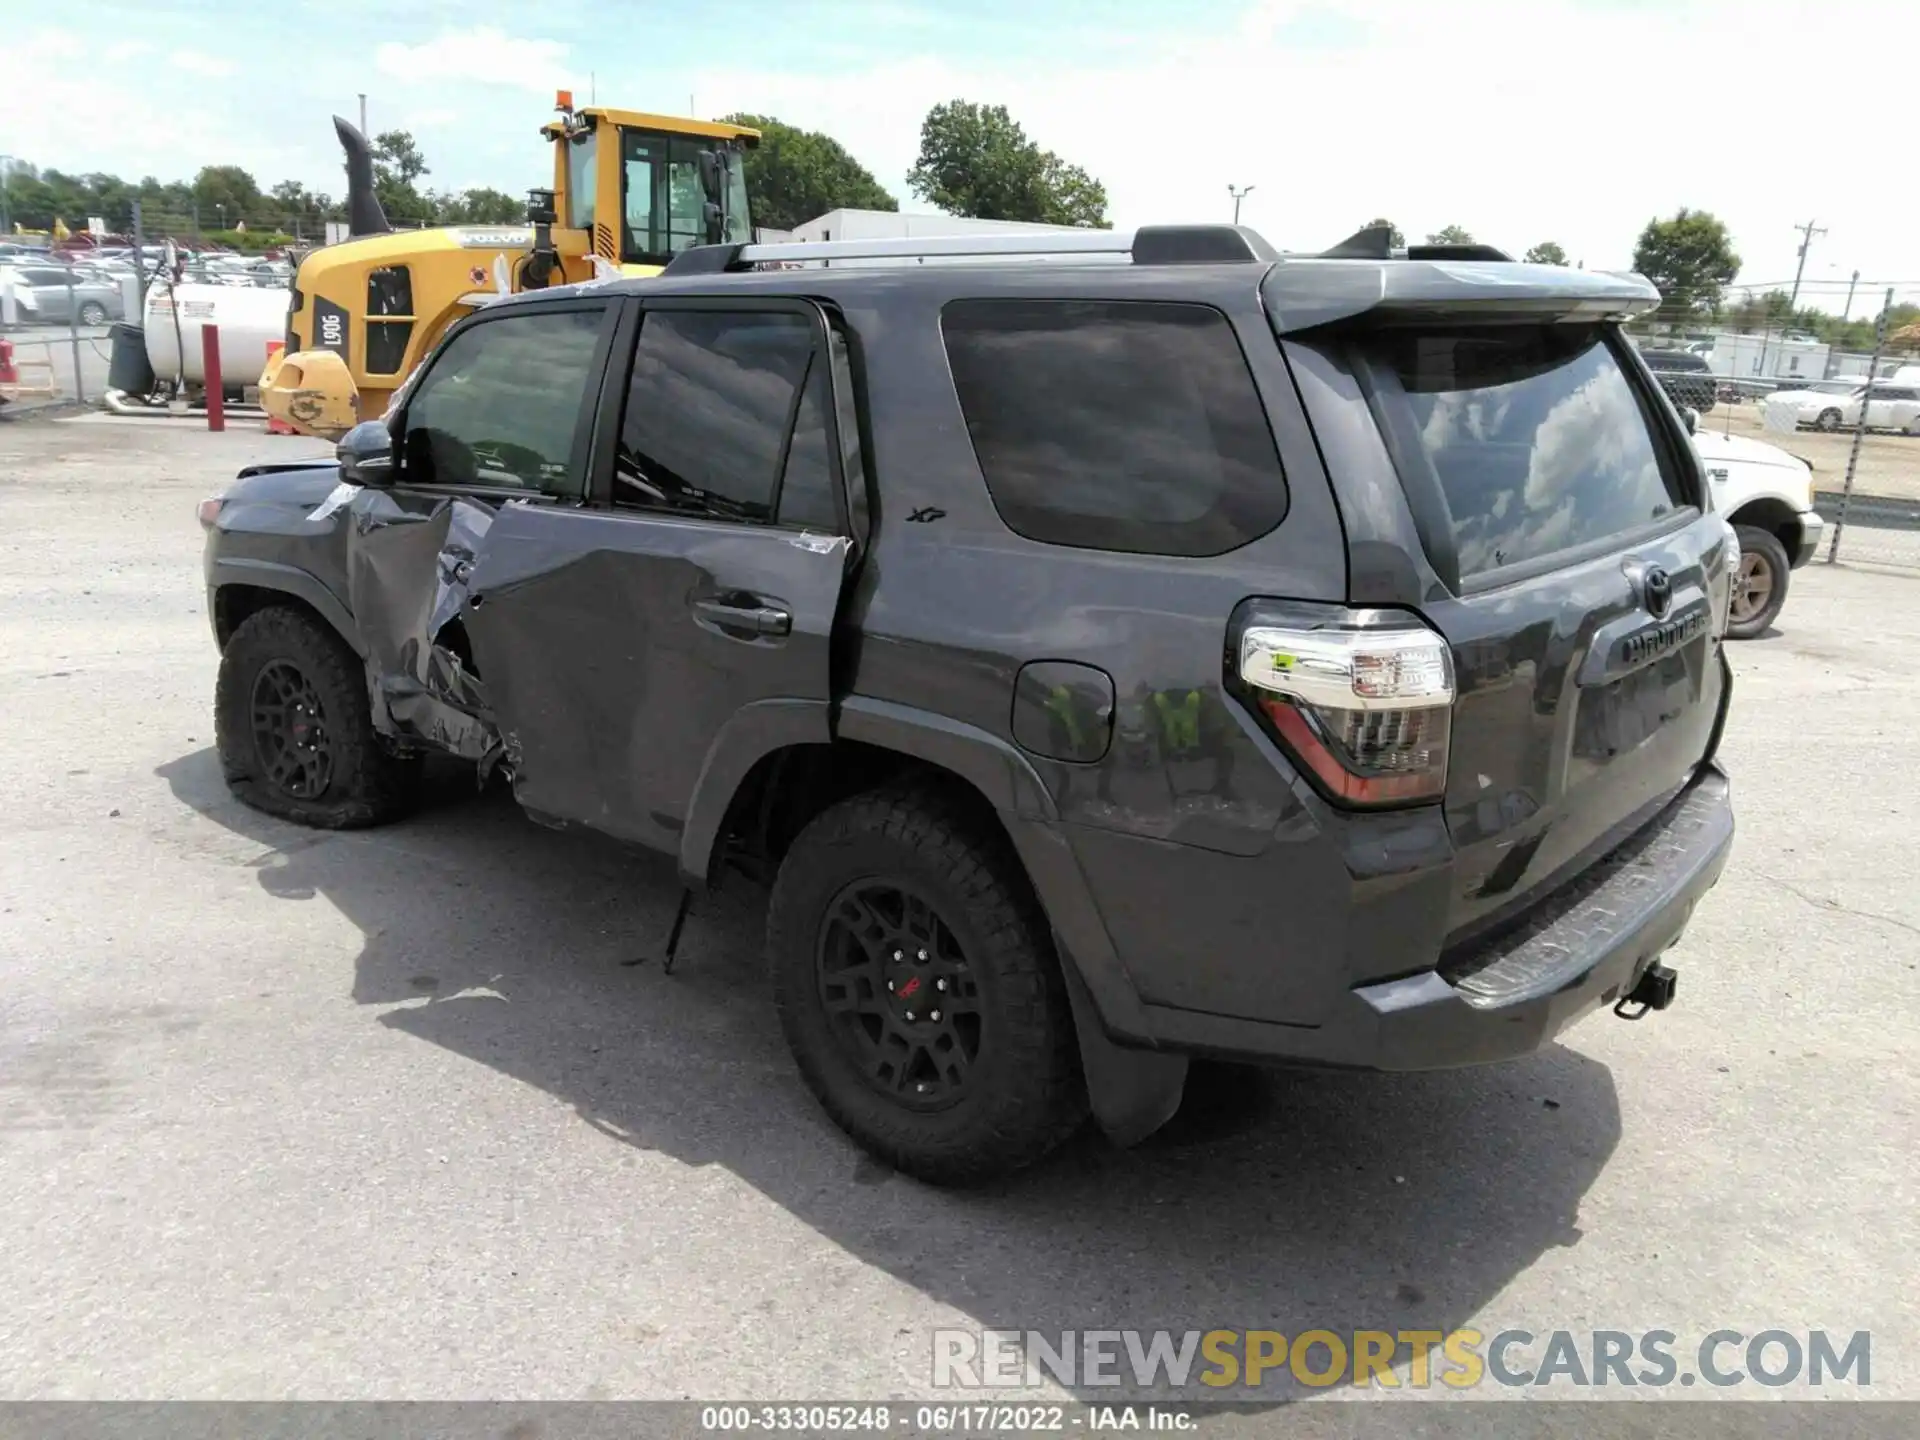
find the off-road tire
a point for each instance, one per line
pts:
(1764, 546)
(368, 785)
(1024, 1094)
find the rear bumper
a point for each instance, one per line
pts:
(1581, 949)
(1812, 527)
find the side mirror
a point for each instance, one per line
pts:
(709, 161)
(1690, 418)
(366, 454)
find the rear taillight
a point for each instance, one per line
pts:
(1363, 699)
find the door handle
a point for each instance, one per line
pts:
(745, 613)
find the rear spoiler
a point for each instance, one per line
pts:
(1305, 292)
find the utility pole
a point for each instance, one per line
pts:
(6, 170)
(1808, 231)
(1847, 314)
(363, 114)
(1238, 196)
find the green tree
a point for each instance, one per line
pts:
(1396, 237)
(1546, 253)
(1690, 259)
(397, 163)
(797, 175)
(225, 194)
(977, 160)
(480, 205)
(1451, 235)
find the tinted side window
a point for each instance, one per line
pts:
(502, 402)
(709, 404)
(1116, 425)
(806, 494)
(1533, 433)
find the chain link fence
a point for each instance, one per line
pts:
(54, 333)
(1829, 371)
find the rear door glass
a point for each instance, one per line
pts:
(1116, 425)
(1533, 435)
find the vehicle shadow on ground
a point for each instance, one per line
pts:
(1285, 1201)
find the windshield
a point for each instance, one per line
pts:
(663, 206)
(1835, 387)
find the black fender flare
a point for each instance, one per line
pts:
(751, 733)
(289, 580)
(1133, 1086)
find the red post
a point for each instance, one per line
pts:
(216, 397)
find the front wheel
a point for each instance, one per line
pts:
(917, 985)
(1760, 584)
(93, 313)
(294, 727)
(1828, 420)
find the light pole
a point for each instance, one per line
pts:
(223, 213)
(1238, 195)
(6, 171)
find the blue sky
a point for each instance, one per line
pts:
(1569, 120)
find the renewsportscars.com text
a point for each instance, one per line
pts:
(1397, 1359)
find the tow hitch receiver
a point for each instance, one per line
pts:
(1652, 991)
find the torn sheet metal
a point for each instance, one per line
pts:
(407, 576)
(337, 499)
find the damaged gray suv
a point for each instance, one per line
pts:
(1173, 649)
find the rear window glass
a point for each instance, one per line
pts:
(1116, 425)
(1534, 434)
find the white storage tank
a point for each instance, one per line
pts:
(247, 318)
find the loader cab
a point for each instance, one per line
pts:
(637, 189)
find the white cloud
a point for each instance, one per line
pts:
(1568, 120)
(198, 62)
(484, 56)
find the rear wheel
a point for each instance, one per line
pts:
(1829, 419)
(294, 727)
(1760, 584)
(917, 986)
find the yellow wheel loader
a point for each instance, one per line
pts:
(630, 191)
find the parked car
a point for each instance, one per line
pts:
(1685, 376)
(43, 293)
(1836, 404)
(1106, 663)
(1767, 495)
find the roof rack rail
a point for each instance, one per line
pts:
(1149, 245)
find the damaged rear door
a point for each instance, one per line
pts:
(619, 640)
(501, 418)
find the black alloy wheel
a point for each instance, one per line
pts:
(290, 732)
(901, 999)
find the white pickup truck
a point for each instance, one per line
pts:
(1767, 495)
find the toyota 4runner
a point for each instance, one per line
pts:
(1177, 649)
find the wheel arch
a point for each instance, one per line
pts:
(794, 754)
(1772, 514)
(238, 588)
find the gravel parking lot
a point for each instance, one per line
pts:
(289, 1114)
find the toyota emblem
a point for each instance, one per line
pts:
(1659, 588)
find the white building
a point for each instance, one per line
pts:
(894, 224)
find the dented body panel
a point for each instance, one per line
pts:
(619, 639)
